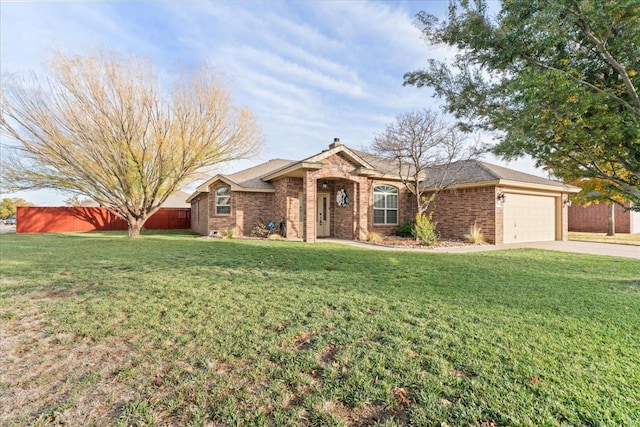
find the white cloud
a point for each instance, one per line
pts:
(310, 71)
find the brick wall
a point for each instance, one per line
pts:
(338, 173)
(342, 226)
(339, 160)
(287, 204)
(247, 209)
(220, 223)
(200, 214)
(295, 212)
(253, 208)
(595, 218)
(406, 207)
(456, 210)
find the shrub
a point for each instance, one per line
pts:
(425, 229)
(475, 235)
(263, 229)
(227, 234)
(406, 230)
(275, 237)
(374, 237)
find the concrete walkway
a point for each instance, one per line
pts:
(626, 251)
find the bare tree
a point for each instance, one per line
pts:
(108, 127)
(426, 151)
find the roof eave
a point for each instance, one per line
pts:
(345, 151)
(193, 196)
(563, 188)
(204, 187)
(294, 168)
(239, 189)
(513, 184)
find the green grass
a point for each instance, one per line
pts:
(174, 329)
(619, 238)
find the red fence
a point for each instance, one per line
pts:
(595, 218)
(67, 219)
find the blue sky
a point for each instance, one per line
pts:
(309, 70)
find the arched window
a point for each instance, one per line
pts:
(223, 201)
(385, 204)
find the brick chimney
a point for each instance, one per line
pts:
(336, 143)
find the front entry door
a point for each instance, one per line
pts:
(323, 215)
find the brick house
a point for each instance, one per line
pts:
(344, 193)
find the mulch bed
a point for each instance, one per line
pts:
(409, 242)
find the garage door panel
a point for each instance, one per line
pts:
(529, 218)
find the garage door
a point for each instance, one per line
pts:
(529, 218)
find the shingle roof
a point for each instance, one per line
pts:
(252, 178)
(476, 171)
(246, 179)
(458, 173)
(382, 165)
(464, 172)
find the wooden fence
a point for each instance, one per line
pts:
(67, 219)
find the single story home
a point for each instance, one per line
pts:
(345, 193)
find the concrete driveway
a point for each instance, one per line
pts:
(626, 251)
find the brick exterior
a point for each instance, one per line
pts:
(456, 210)
(342, 217)
(595, 218)
(247, 210)
(338, 173)
(294, 200)
(200, 215)
(407, 207)
(287, 205)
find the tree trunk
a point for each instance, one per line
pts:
(135, 226)
(611, 225)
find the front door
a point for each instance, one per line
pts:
(323, 215)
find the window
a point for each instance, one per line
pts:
(385, 204)
(223, 201)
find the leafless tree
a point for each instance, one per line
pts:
(426, 151)
(108, 127)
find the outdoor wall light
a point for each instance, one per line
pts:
(567, 202)
(501, 197)
(325, 185)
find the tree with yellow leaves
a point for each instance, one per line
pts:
(109, 127)
(595, 190)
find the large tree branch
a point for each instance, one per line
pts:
(602, 48)
(534, 61)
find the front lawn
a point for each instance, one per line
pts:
(173, 329)
(618, 238)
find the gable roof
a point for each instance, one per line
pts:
(250, 179)
(470, 172)
(477, 172)
(464, 173)
(314, 162)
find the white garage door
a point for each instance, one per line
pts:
(529, 218)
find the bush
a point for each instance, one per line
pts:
(227, 234)
(425, 229)
(406, 230)
(275, 237)
(475, 235)
(263, 229)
